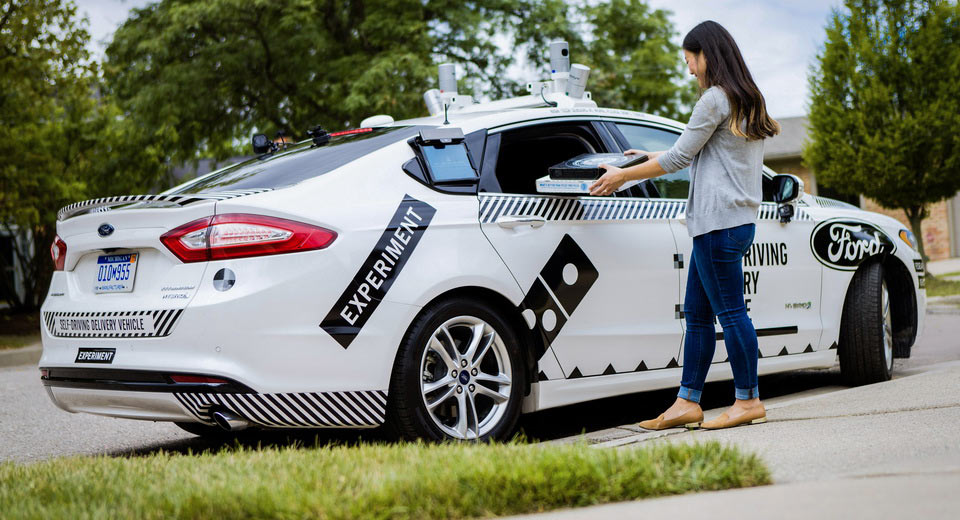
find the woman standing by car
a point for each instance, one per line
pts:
(723, 145)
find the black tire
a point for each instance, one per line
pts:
(861, 350)
(407, 414)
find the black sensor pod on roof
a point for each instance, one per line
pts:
(261, 144)
(319, 135)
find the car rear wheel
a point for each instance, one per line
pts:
(458, 375)
(866, 329)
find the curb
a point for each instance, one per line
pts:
(943, 304)
(953, 298)
(21, 356)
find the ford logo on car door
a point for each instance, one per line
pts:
(105, 230)
(845, 243)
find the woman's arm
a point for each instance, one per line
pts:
(707, 115)
(615, 177)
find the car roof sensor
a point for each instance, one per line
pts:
(319, 136)
(439, 136)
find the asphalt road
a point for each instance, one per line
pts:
(32, 428)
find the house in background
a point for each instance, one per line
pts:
(941, 230)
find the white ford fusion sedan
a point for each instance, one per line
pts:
(409, 273)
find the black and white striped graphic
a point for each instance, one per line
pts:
(293, 410)
(568, 208)
(163, 322)
(105, 203)
(825, 202)
(580, 209)
(768, 211)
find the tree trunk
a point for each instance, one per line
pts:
(916, 214)
(40, 268)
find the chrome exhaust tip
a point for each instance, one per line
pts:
(229, 421)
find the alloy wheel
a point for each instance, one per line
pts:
(887, 327)
(467, 378)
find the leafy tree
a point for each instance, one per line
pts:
(59, 142)
(213, 71)
(44, 97)
(884, 109)
(635, 64)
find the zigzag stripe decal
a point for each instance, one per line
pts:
(830, 203)
(163, 323)
(294, 410)
(106, 203)
(580, 209)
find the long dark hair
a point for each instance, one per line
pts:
(726, 69)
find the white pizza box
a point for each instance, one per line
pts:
(547, 185)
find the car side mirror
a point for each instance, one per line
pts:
(786, 188)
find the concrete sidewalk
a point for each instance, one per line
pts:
(881, 451)
(927, 496)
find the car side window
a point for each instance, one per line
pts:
(526, 153)
(672, 185)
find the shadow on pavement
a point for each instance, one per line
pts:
(629, 409)
(534, 427)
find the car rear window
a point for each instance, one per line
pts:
(297, 163)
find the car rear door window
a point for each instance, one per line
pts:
(649, 139)
(526, 153)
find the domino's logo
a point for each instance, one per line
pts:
(569, 274)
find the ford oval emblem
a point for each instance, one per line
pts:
(845, 243)
(105, 230)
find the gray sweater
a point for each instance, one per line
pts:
(725, 170)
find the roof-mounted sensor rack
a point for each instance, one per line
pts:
(566, 88)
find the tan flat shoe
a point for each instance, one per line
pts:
(690, 419)
(757, 415)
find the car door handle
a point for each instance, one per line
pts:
(512, 221)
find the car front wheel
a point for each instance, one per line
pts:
(458, 375)
(866, 329)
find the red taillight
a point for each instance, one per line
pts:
(182, 378)
(58, 252)
(237, 235)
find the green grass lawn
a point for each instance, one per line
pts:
(17, 340)
(938, 286)
(367, 481)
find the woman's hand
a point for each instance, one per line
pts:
(636, 152)
(608, 182)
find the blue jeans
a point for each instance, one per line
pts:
(715, 289)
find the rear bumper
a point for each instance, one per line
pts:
(147, 406)
(149, 395)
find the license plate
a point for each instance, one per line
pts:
(115, 273)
